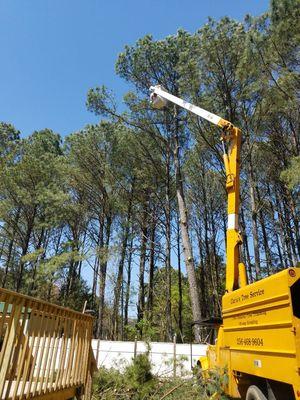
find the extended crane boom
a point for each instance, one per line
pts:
(235, 270)
(157, 92)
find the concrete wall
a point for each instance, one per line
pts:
(115, 354)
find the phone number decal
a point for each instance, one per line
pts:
(250, 342)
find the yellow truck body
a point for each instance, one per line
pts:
(259, 340)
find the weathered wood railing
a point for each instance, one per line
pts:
(44, 349)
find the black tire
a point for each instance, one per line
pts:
(254, 393)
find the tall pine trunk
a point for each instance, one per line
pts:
(8, 262)
(143, 248)
(186, 243)
(25, 246)
(245, 248)
(180, 301)
(254, 220)
(119, 284)
(128, 283)
(10, 248)
(168, 246)
(104, 245)
(151, 268)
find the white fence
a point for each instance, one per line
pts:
(166, 358)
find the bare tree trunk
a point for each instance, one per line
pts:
(2, 247)
(275, 228)
(295, 220)
(8, 262)
(10, 248)
(128, 283)
(25, 246)
(283, 232)
(102, 269)
(186, 243)
(216, 265)
(151, 269)
(57, 245)
(202, 275)
(265, 243)
(168, 246)
(290, 234)
(119, 283)
(36, 263)
(180, 302)
(82, 253)
(210, 257)
(247, 258)
(144, 239)
(264, 236)
(72, 273)
(254, 221)
(95, 276)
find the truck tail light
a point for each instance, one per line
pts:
(292, 273)
(295, 296)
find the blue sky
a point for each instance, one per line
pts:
(53, 51)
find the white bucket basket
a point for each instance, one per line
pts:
(157, 101)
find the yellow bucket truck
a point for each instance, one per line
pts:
(258, 342)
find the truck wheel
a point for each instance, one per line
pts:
(254, 393)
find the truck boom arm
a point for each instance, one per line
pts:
(213, 118)
(235, 270)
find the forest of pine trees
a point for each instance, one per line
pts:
(130, 214)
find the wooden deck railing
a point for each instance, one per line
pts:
(45, 350)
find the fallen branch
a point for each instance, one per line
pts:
(171, 391)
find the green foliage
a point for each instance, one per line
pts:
(30, 257)
(108, 380)
(137, 383)
(148, 329)
(215, 383)
(78, 295)
(9, 138)
(292, 175)
(33, 183)
(139, 375)
(155, 329)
